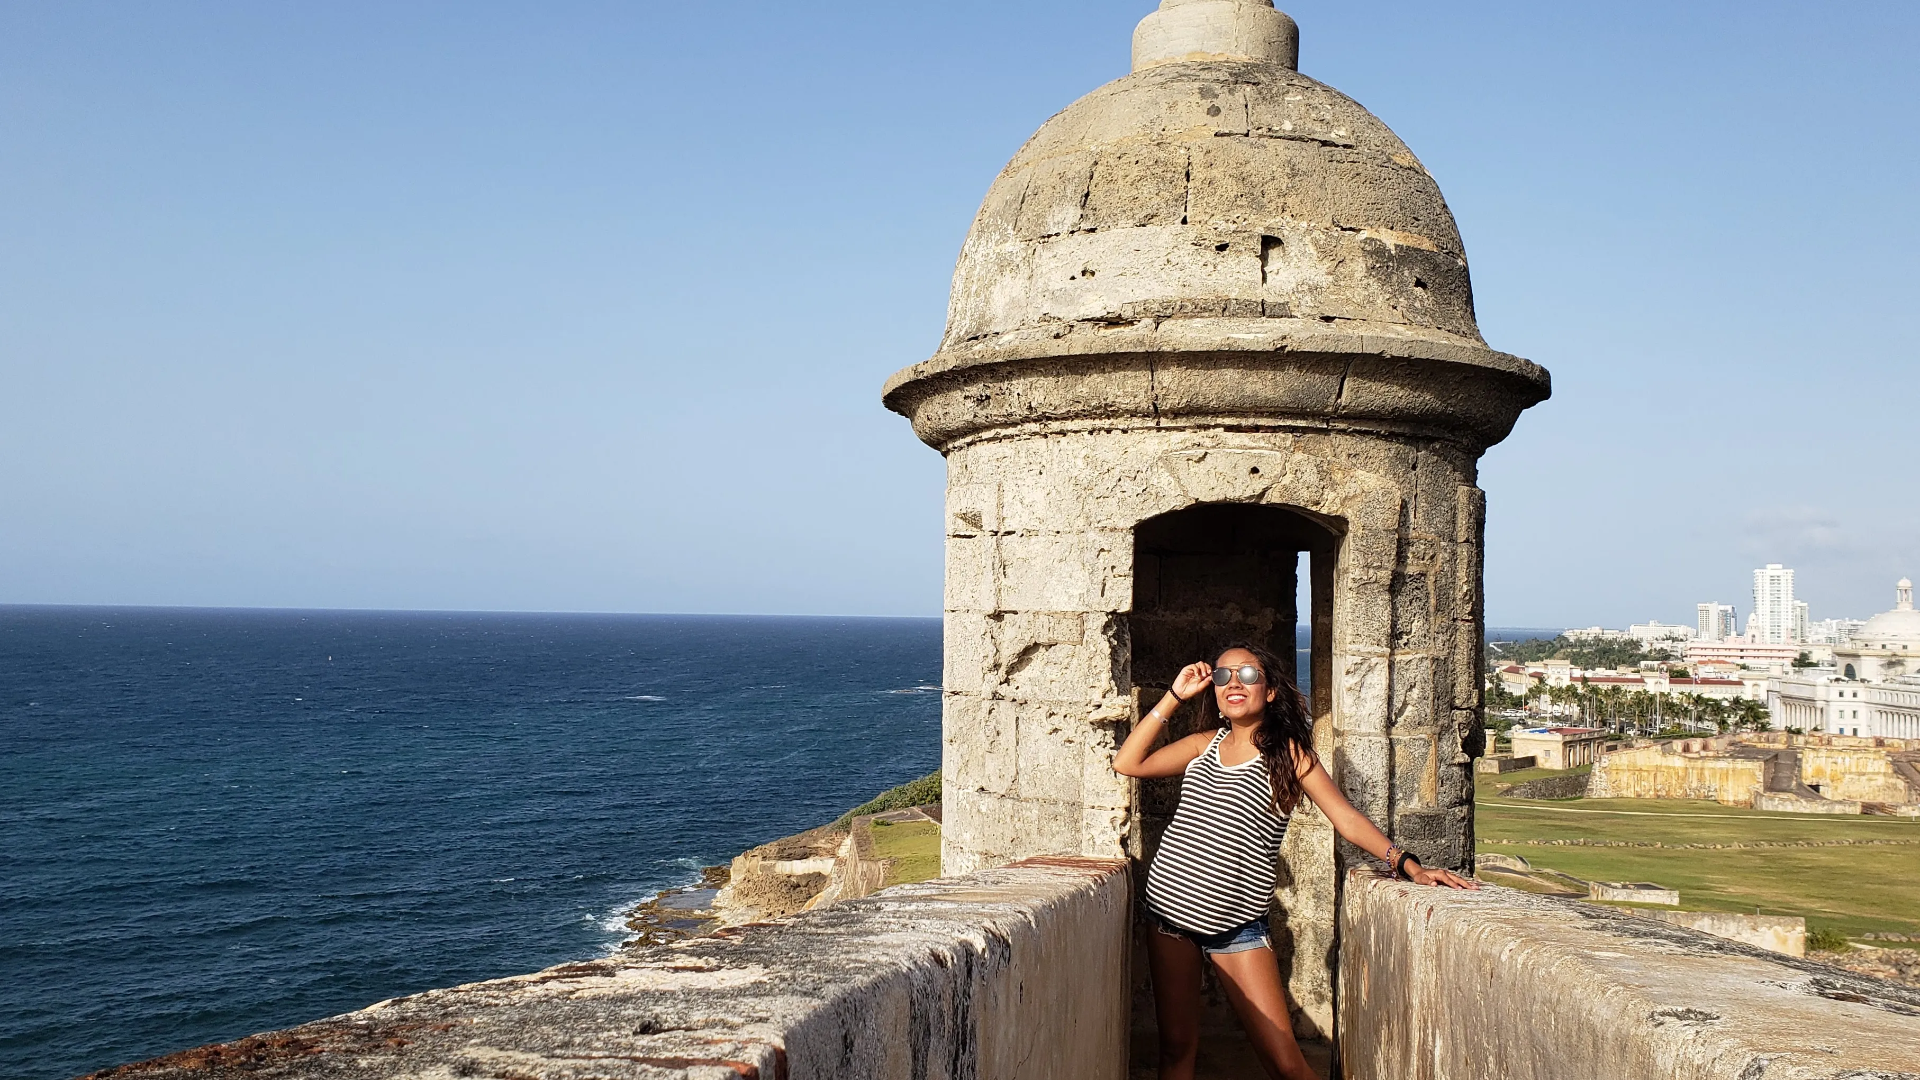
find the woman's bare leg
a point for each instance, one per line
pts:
(1252, 981)
(1176, 965)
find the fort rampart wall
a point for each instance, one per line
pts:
(1463, 986)
(1655, 772)
(1862, 774)
(1021, 972)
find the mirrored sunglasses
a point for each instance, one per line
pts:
(1249, 675)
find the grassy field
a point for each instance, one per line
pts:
(916, 846)
(1852, 889)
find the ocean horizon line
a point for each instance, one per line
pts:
(266, 609)
(251, 609)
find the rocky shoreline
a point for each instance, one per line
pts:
(678, 913)
(795, 873)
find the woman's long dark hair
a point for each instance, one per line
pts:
(1285, 733)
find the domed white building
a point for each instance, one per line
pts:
(1874, 689)
(1888, 646)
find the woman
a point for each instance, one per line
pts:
(1213, 877)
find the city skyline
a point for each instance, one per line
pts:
(1775, 614)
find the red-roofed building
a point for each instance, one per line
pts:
(1559, 747)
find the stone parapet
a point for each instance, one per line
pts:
(1015, 972)
(1782, 803)
(1774, 933)
(1466, 985)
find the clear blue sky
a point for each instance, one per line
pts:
(586, 306)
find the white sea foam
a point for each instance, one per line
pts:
(643, 697)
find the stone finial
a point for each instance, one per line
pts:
(1184, 30)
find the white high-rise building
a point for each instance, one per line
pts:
(1714, 622)
(1800, 632)
(1650, 634)
(1833, 631)
(1774, 620)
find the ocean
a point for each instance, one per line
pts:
(214, 823)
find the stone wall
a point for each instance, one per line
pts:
(1774, 933)
(1019, 972)
(1787, 803)
(1657, 772)
(1551, 787)
(1447, 985)
(1861, 774)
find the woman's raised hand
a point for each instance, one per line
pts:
(1192, 679)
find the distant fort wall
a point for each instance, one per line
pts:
(1861, 774)
(1660, 772)
(1734, 771)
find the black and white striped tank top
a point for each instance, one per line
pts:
(1216, 865)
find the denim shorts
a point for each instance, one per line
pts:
(1241, 938)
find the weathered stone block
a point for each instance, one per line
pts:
(969, 652)
(1135, 186)
(972, 573)
(1052, 755)
(979, 744)
(973, 509)
(1254, 185)
(1416, 704)
(1416, 780)
(1075, 571)
(1365, 694)
(1056, 188)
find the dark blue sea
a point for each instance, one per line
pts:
(214, 823)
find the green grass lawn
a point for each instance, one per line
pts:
(915, 847)
(1851, 889)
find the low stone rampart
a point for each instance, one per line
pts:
(1448, 985)
(1660, 772)
(1019, 972)
(1783, 803)
(1632, 892)
(1861, 774)
(1573, 786)
(1775, 933)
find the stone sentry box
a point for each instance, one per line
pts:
(1212, 324)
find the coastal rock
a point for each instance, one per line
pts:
(781, 877)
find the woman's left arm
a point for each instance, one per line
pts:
(1355, 827)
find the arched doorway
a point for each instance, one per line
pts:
(1202, 577)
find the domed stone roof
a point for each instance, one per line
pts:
(1898, 629)
(1218, 201)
